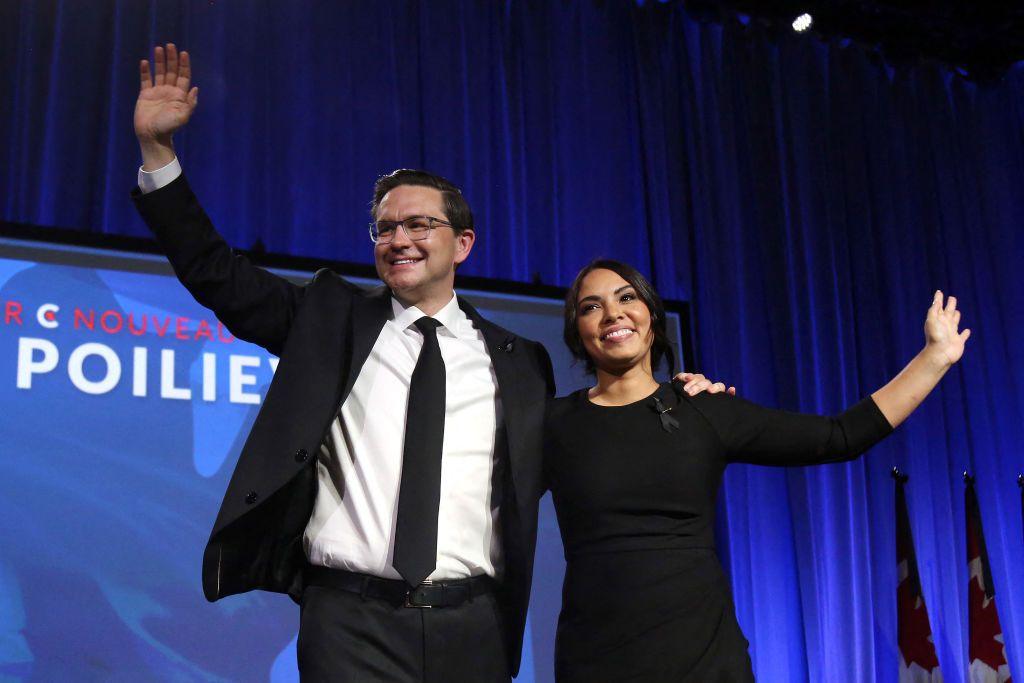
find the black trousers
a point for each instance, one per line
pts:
(345, 637)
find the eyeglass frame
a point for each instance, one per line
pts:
(432, 222)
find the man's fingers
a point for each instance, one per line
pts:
(184, 73)
(696, 383)
(169, 67)
(950, 304)
(171, 77)
(145, 78)
(193, 97)
(159, 65)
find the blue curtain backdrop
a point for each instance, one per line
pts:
(805, 197)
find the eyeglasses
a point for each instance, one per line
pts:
(416, 228)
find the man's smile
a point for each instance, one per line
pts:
(404, 262)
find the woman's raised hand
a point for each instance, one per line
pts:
(941, 335)
(166, 97)
(944, 345)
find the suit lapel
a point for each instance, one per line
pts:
(503, 347)
(369, 314)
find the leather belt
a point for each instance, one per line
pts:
(428, 594)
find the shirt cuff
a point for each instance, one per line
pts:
(161, 177)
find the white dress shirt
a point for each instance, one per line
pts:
(360, 461)
(360, 464)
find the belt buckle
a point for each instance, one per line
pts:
(426, 582)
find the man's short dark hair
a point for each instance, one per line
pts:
(661, 348)
(456, 208)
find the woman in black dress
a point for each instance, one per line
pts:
(634, 467)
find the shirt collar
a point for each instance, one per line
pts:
(450, 316)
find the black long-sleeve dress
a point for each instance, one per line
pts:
(644, 597)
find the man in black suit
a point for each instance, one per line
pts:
(391, 480)
(319, 503)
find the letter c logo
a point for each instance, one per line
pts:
(47, 315)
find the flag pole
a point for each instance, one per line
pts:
(902, 478)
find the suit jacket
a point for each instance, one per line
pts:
(323, 332)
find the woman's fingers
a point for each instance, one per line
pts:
(942, 325)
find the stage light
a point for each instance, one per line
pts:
(802, 23)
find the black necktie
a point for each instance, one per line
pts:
(420, 492)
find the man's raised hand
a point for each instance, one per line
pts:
(166, 102)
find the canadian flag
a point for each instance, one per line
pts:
(918, 663)
(987, 652)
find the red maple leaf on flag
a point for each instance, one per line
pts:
(986, 635)
(915, 633)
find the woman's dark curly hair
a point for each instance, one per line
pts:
(661, 348)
